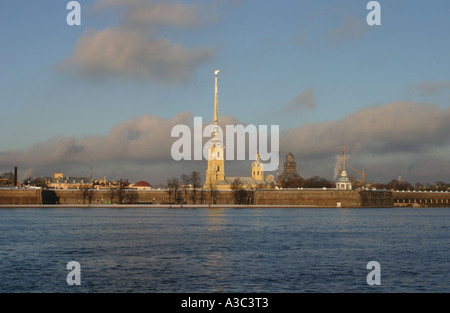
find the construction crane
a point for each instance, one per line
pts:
(361, 174)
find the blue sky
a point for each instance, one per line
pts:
(290, 63)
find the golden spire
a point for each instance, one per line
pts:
(216, 115)
(344, 159)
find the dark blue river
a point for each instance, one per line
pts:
(225, 250)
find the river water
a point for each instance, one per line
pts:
(225, 250)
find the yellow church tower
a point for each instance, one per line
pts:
(215, 171)
(257, 169)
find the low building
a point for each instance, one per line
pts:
(343, 182)
(58, 181)
(141, 185)
(5, 182)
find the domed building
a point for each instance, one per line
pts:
(289, 170)
(142, 185)
(343, 182)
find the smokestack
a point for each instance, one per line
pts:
(15, 176)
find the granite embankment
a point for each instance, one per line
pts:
(254, 198)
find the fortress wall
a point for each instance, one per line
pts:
(144, 197)
(429, 199)
(74, 196)
(20, 196)
(375, 199)
(323, 198)
(320, 198)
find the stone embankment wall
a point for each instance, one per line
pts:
(322, 198)
(421, 199)
(20, 196)
(291, 197)
(295, 197)
(376, 199)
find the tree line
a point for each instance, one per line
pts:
(319, 182)
(241, 194)
(404, 185)
(29, 181)
(117, 193)
(185, 189)
(188, 189)
(300, 182)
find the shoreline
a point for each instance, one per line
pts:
(177, 206)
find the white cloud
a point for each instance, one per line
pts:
(305, 100)
(431, 88)
(131, 49)
(396, 126)
(349, 29)
(153, 13)
(127, 53)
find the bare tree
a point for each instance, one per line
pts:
(202, 196)
(185, 185)
(213, 193)
(442, 186)
(173, 185)
(84, 190)
(111, 194)
(43, 183)
(91, 195)
(7, 175)
(120, 192)
(170, 189)
(254, 193)
(195, 181)
(131, 196)
(176, 187)
(239, 193)
(293, 182)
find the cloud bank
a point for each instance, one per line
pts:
(132, 49)
(401, 138)
(141, 140)
(401, 126)
(391, 140)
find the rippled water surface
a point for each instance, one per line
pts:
(224, 250)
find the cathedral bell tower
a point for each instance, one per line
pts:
(257, 169)
(215, 171)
